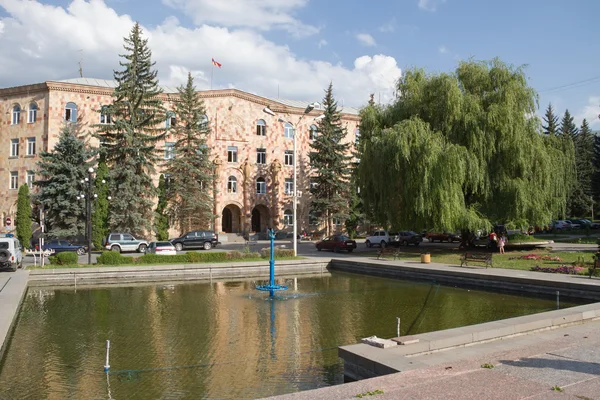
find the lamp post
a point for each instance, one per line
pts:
(308, 109)
(88, 183)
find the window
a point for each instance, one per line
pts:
(288, 218)
(289, 186)
(356, 136)
(261, 156)
(313, 132)
(71, 112)
(16, 115)
(203, 123)
(14, 147)
(105, 116)
(261, 186)
(32, 115)
(313, 186)
(31, 146)
(232, 154)
(288, 131)
(261, 128)
(14, 180)
(171, 120)
(288, 158)
(169, 150)
(127, 236)
(232, 184)
(337, 221)
(30, 179)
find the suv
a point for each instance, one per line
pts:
(121, 242)
(378, 238)
(196, 239)
(405, 238)
(10, 253)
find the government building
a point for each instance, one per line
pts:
(251, 140)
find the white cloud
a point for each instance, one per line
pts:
(255, 14)
(590, 112)
(430, 5)
(443, 50)
(365, 39)
(322, 43)
(250, 62)
(388, 27)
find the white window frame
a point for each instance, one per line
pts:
(14, 180)
(31, 146)
(14, 147)
(232, 184)
(356, 136)
(288, 187)
(261, 185)
(313, 132)
(171, 120)
(288, 218)
(261, 128)
(16, 115)
(169, 150)
(232, 154)
(70, 112)
(337, 221)
(30, 178)
(203, 122)
(32, 114)
(105, 117)
(261, 156)
(288, 131)
(288, 158)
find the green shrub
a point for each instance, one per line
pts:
(266, 252)
(235, 255)
(253, 255)
(114, 258)
(65, 258)
(162, 259)
(197, 257)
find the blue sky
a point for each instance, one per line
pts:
(299, 45)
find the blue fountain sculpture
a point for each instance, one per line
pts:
(272, 287)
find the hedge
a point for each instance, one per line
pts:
(114, 258)
(64, 258)
(266, 252)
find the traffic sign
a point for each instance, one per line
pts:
(8, 221)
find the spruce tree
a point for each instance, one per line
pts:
(568, 127)
(137, 120)
(161, 219)
(189, 169)
(596, 170)
(61, 173)
(101, 205)
(330, 161)
(551, 122)
(23, 222)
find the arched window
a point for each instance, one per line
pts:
(261, 128)
(288, 218)
(288, 130)
(71, 112)
(105, 116)
(32, 115)
(171, 120)
(232, 184)
(16, 114)
(261, 186)
(313, 132)
(356, 136)
(203, 123)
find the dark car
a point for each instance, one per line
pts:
(405, 238)
(336, 243)
(60, 246)
(443, 237)
(196, 240)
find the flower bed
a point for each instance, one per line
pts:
(562, 269)
(536, 257)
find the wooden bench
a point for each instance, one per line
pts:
(388, 251)
(594, 267)
(476, 257)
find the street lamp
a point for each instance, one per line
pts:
(88, 221)
(308, 109)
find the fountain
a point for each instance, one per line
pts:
(271, 287)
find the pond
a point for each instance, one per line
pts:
(224, 339)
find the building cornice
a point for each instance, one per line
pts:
(26, 89)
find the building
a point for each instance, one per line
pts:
(252, 150)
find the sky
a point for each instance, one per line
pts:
(293, 48)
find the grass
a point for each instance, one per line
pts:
(581, 240)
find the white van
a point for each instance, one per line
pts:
(11, 255)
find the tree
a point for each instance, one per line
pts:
(580, 202)
(329, 160)
(551, 120)
(24, 216)
(461, 151)
(61, 173)
(189, 167)
(161, 219)
(137, 120)
(568, 127)
(596, 172)
(100, 227)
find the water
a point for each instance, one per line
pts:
(223, 340)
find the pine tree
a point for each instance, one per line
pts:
(189, 169)
(61, 173)
(584, 148)
(101, 205)
(161, 219)
(551, 120)
(24, 216)
(330, 160)
(568, 127)
(137, 120)
(596, 171)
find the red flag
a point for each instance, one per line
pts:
(216, 64)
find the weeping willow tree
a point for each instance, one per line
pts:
(462, 151)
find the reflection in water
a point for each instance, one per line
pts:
(223, 339)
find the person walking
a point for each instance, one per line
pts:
(501, 243)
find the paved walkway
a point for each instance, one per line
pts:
(13, 286)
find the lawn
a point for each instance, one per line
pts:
(581, 240)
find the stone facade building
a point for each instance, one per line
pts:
(252, 149)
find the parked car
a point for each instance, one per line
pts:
(560, 225)
(11, 255)
(405, 238)
(573, 223)
(336, 243)
(122, 242)
(60, 246)
(196, 239)
(161, 248)
(379, 238)
(443, 237)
